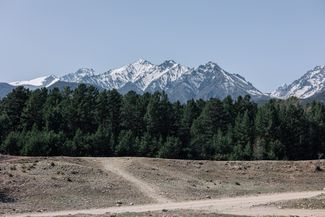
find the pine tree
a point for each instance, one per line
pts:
(101, 142)
(83, 107)
(35, 143)
(190, 113)
(157, 117)
(294, 131)
(171, 148)
(223, 145)
(147, 146)
(242, 137)
(102, 110)
(13, 105)
(52, 112)
(13, 143)
(32, 114)
(126, 145)
(131, 114)
(115, 101)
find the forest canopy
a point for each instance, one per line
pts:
(88, 122)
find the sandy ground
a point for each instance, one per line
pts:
(142, 185)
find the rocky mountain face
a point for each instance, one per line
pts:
(178, 81)
(137, 76)
(310, 84)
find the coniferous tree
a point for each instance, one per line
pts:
(126, 145)
(32, 114)
(13, 143)
(171, 148)
(115, 101)
(86, 122)
(13, 105)
(242, 137)
(52, 112)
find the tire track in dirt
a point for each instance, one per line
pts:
(244, 205)
(117, 166)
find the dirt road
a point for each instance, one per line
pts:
(244, 205)
(116, 165)
(239, 205)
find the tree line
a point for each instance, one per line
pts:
(88, 122)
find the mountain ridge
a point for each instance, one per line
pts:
(308, 85)
(180, 82)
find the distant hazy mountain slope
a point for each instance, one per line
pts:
(5, 88)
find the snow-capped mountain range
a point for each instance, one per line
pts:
(310, 84)
(180, 82)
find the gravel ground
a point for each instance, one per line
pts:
(182, 180)
(48, 184)
(308, 203)
(29, 184)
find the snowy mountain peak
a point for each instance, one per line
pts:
(43, 81)
(318, 68)
(178, 81)
(85, 72)
(141, 62)
(79, 76)
(210, 66)
(167, 64)
(309, 84)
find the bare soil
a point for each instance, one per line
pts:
(165, 213)
(46, 184)
(244, 205)
(181, 180)
(40, 185)
(317, 202)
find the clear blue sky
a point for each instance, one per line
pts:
(268, 42)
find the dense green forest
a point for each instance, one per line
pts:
(88, 122)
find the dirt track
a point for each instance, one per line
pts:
(244, 205)
(116, 166)
(238, 205)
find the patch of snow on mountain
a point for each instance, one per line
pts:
(43, 81)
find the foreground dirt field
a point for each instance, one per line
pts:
(46, 184)
(317, 202)
(41, 185)
(165, 213)
(180, 180)
(245, 205)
